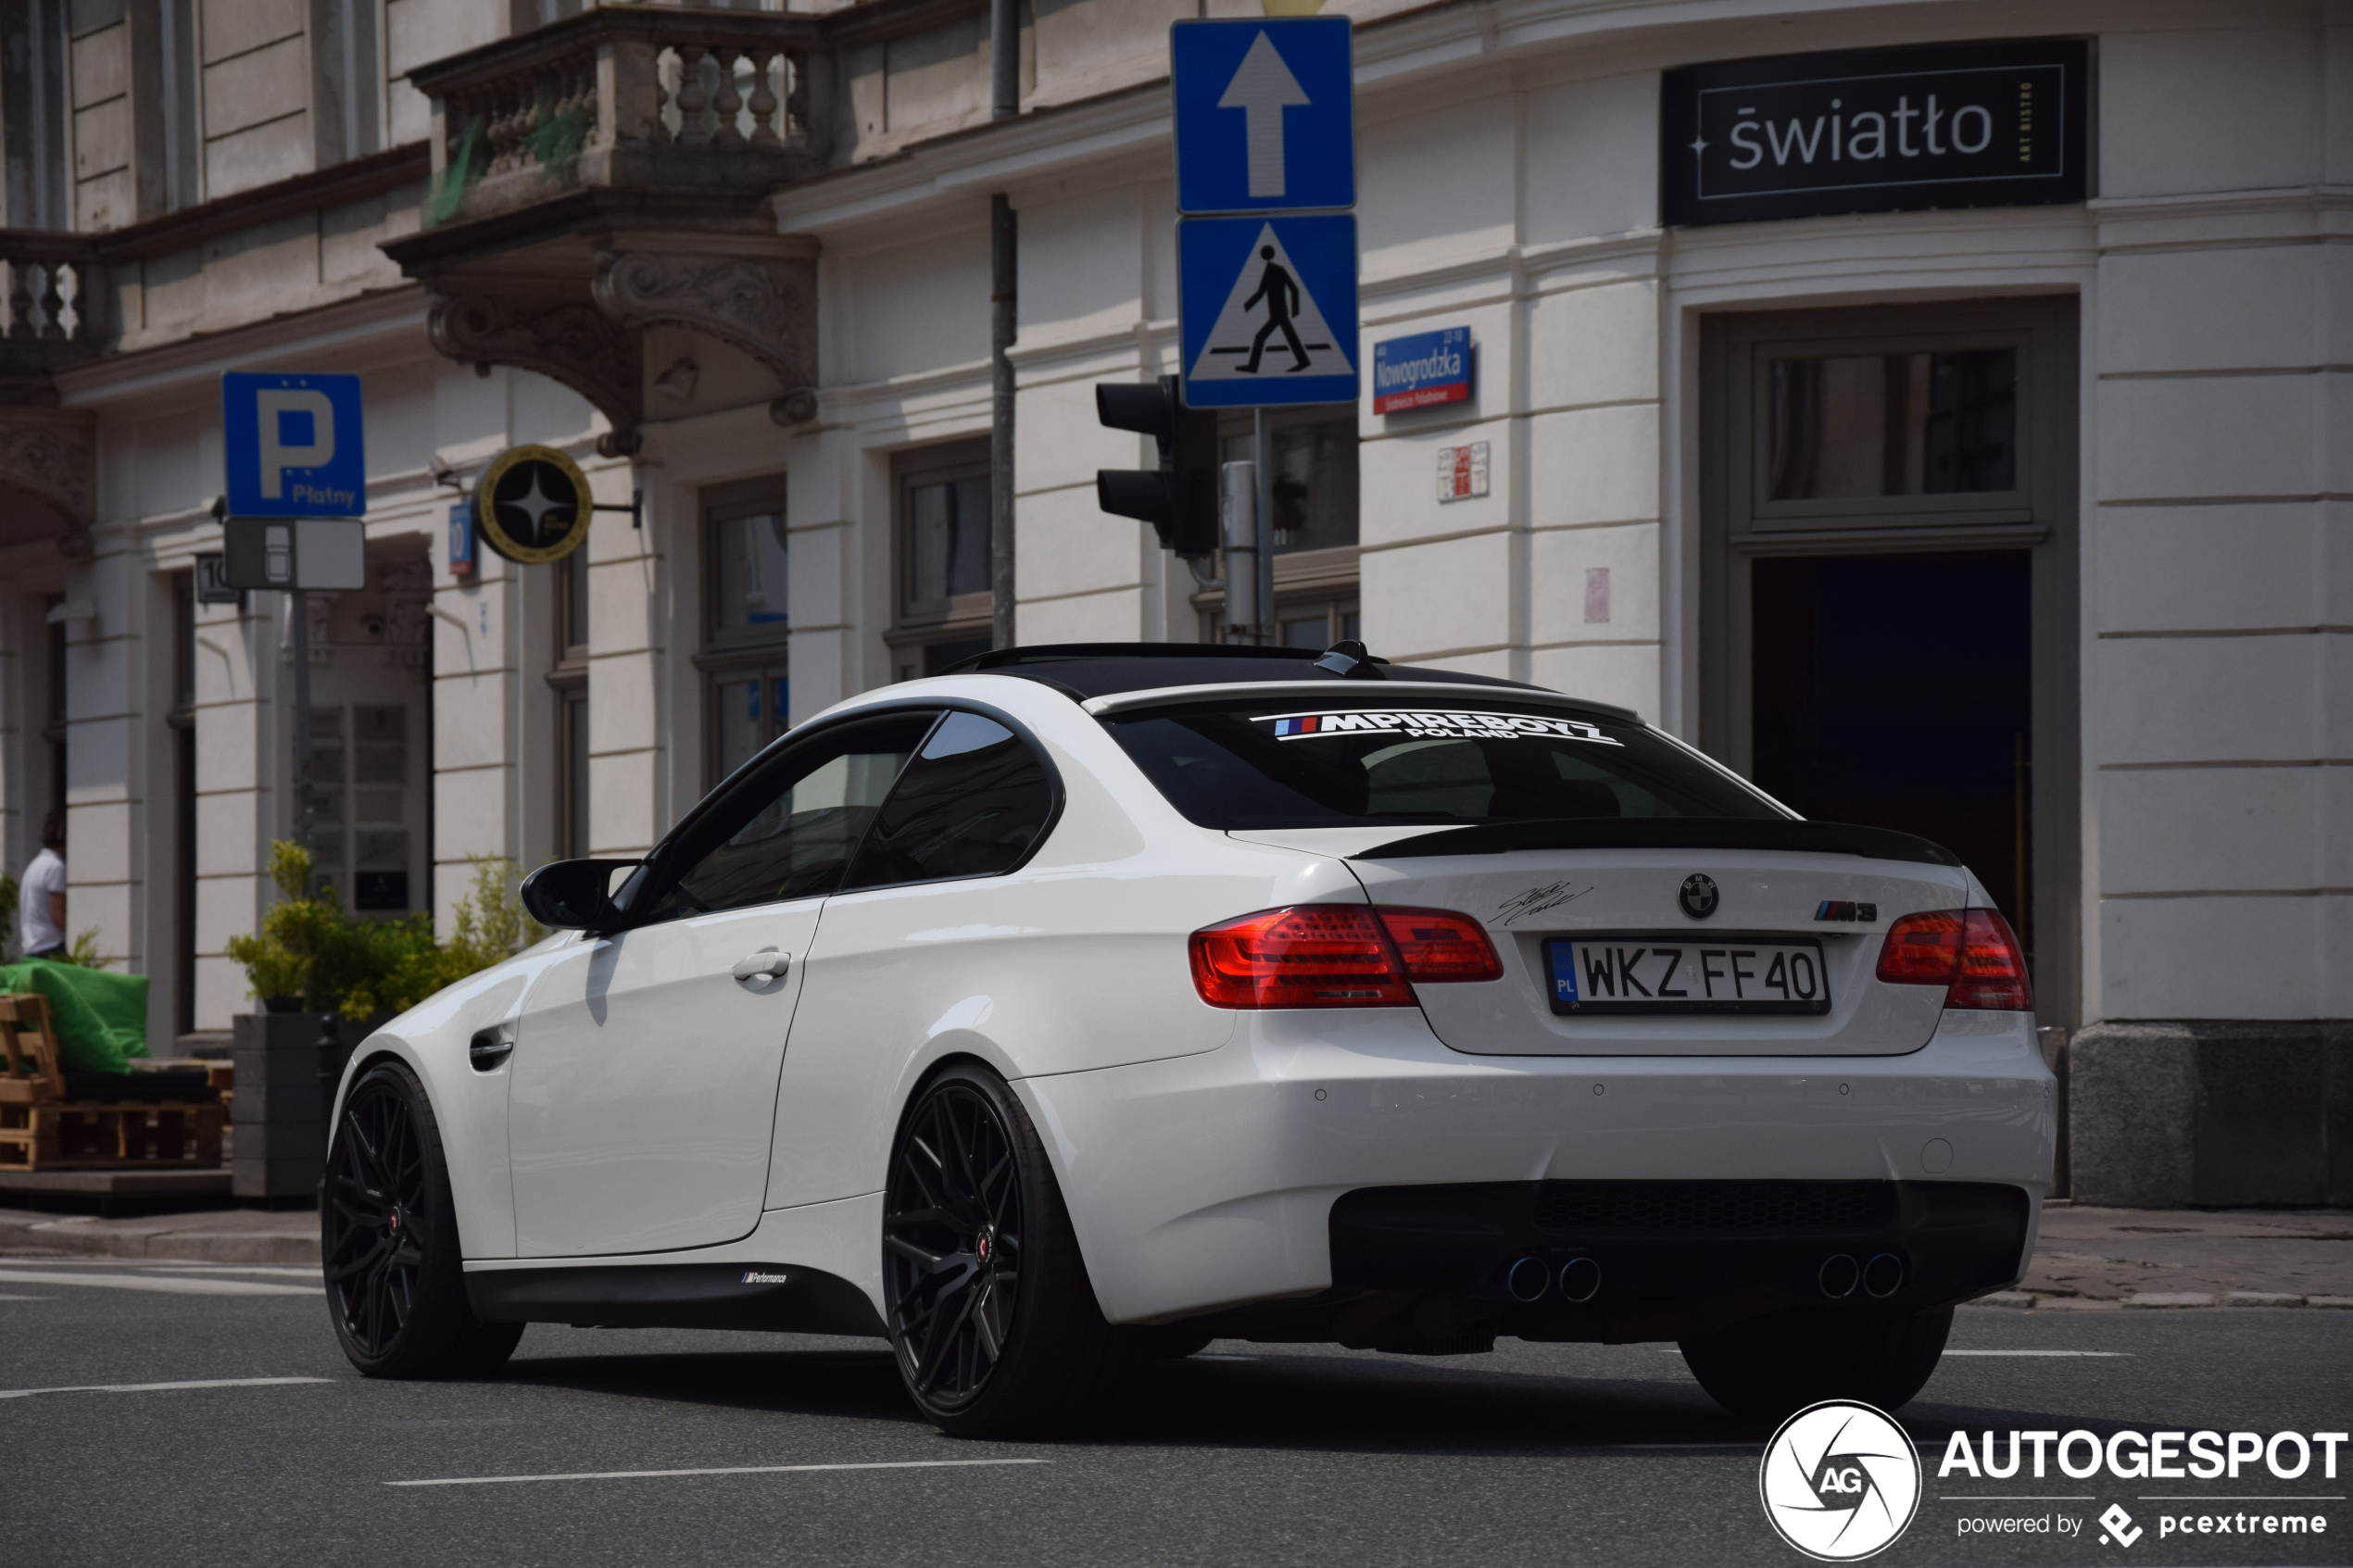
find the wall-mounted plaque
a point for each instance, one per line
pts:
(1999, 124)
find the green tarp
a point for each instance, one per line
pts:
(100, 1017)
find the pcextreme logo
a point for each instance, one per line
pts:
(1840, 1481)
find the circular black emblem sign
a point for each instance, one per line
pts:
(1698, 897)
(532, 505)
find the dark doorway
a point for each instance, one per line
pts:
(1894, 690)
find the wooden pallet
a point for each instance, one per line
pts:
(84, 1136)
(41, 1130)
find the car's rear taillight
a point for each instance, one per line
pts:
(1970, 952)
(1336, 956)
(1440, 944)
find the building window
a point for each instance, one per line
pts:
(747, 678)
(360, 776)
(1311, 456)
(945, 559)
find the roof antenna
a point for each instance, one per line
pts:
(1348, 660)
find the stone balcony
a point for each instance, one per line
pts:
(48, 484)
(603, 178)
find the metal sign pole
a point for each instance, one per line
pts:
(299, 606)
(1243, 616)
(1269, 630)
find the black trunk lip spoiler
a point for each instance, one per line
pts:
(1667, 833)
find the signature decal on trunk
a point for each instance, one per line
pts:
(1536, 900)
(1420, 722)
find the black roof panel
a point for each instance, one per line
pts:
(1092, 670)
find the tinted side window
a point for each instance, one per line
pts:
(970, 804)
(788, 831)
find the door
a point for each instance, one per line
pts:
(1888, 592)
(930, 937)
(644, 1067)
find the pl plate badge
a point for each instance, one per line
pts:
(1840, 1481)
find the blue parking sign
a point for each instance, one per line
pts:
(1265, 114)
(1267, 309)
(293, 446)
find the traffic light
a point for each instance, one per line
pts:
(1179, 498)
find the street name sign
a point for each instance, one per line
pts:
(1265, 114)
(1422, 370)
(1268, 309)
(293, 445)
(289, 552)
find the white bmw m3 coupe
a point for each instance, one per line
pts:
(1091, 1002)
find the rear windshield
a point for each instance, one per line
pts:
(1265, 764)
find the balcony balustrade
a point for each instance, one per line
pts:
(627, 97)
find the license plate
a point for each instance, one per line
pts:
(1732, 973)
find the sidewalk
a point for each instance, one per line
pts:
(2100, 1260)
(2093, 1259)
(218, 1235)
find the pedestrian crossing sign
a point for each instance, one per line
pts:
(1268, 314)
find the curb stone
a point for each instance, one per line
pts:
(260, 1238)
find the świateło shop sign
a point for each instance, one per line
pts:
(1875, 131)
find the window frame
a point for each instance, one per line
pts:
(917, 623)
(657, 874)
(729, 656)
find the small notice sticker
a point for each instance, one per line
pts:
(1462, 472)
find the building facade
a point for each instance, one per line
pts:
(2015, 514)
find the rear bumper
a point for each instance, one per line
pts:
(1208, 1183)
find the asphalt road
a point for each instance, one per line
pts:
(1249, 1454)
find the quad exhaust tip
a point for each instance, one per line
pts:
(1839, 1275)
(1883, 1275)
(1530, 1280)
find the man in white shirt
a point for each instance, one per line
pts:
(41, 918)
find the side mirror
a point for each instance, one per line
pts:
(573, 895)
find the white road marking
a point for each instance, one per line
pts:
(2126, 1354)
(156, 1388)
(731, 1470)
(2022, 1496)
(27, 1298)
(183, 1284)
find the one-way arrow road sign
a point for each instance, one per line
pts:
(1265, 114)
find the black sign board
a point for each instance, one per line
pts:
(1999, 124)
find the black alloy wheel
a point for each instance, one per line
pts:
(986, 1298)
(952, 1239)
(388, 1240)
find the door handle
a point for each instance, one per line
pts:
(765, 964)
(491, 1046)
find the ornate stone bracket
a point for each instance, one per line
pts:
(766, 305)
(585, 349)
(48, 457)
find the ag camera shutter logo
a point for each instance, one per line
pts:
(1840, 1481)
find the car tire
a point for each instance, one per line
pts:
(992, 1317)
(388, 1238)
(1771, 1367)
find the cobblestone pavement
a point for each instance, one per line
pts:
(2106, 1258)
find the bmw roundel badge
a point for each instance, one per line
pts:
(1698, 897)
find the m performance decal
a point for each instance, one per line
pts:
(1418, 722)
